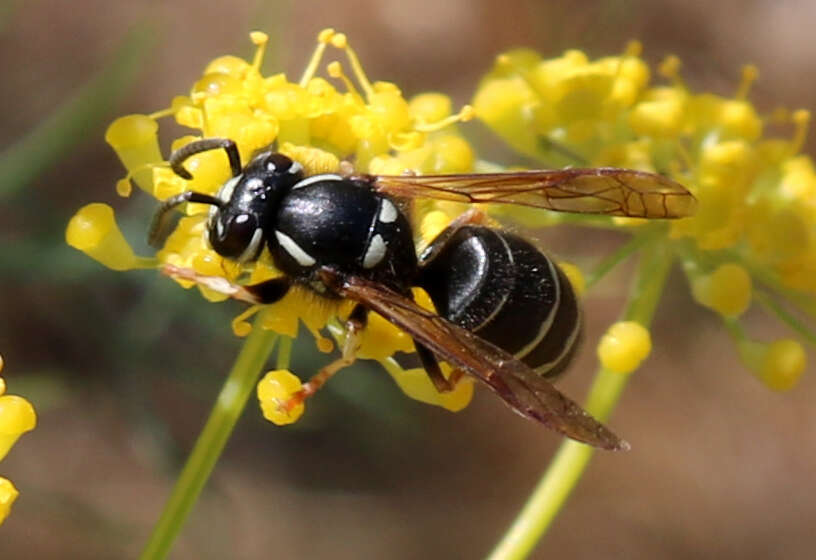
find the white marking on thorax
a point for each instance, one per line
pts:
(375, 252)
(388, 212)
(316, 179)
(301, 257)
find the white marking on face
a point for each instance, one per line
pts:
(253, 248)
(375, 252)
(295, 168)
(225, 192)
(316, 179)
(388, 212)
(301, 257)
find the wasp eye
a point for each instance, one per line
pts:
(236, 236)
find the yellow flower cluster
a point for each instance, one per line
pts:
(17, 417)
(757, 196)
(310, 120)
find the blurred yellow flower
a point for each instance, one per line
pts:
(756, 218)
(17, 417)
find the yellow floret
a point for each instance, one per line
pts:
(8, 493)
(783, 364)
(727, 290)
(94, 231)
(624, 346)
(136, 142)
(273, 391)
(416, 384)
(17, 417)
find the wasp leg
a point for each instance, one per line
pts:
(431, 366)
(269, 291)
(473, 216)
(355, 324)
(157, 232)
(266, 292)
(178, 157)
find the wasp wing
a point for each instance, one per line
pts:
(519, 386)
(601, 190)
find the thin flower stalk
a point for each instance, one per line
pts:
(569, 463)
(228, 407)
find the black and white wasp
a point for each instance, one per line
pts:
(506, 313)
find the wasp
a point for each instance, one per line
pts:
(506, 314)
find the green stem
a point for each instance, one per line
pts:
(786, 316)
(231, 400)
(621, 254)
(572, 457)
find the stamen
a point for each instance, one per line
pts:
(465, 114)
(324, 344)
(801, 120)
(750, 73)
(670, 69)
(633, 48)
(260, 39)
(124, 187)
(240, 325)
(780, 115)
(341, 42)
(335, 71)
(685, 156)
(323, 39)
(162, 113)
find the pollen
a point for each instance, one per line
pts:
(274, 392)
(624, 346)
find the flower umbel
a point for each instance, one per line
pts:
(755, 222)
(17, 417)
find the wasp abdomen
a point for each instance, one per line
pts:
(505, 290)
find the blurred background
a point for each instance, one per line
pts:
(123, 367)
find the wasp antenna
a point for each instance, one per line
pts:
(158, 227)
(181, 155)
